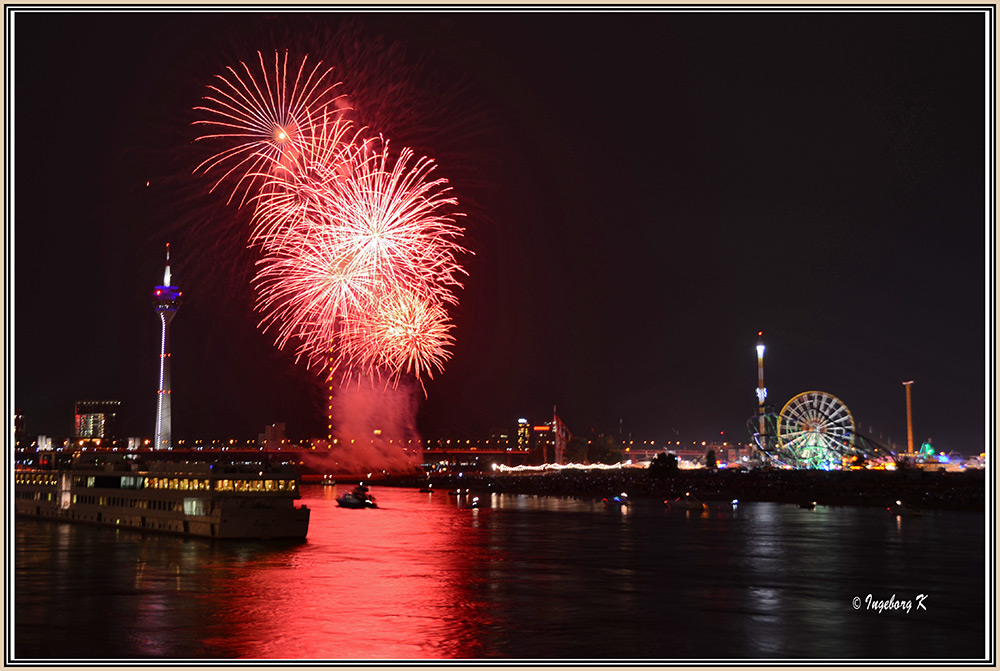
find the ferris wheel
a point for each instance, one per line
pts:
(815, 430)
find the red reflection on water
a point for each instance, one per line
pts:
(393, 583)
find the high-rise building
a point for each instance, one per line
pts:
(96, 419)
(273, 436)
(166, 301)
(523, 434)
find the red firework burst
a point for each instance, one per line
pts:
(398, 223)
(265, 125)
(359, 248)
(410, 335)
(367, 264)
(299, 192)
(401, 333)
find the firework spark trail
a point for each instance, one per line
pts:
(402, 333)
(412, 334)
(267, 126)
(307, 290)
(394, 219)
(298, 191)
(359, 248)
(337, 274)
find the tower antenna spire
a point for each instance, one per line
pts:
(166, 301)
(166, 269)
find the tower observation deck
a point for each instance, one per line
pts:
(166, 301)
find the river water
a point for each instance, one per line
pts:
(535, 578)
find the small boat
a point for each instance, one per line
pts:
(328, 481)
(687, 502)
(458, 492)
(474, 503)
(900, 508)
(426, 489)
(357, 498)
(808, 505)
(617, 501)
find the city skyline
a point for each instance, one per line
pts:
(646, 192)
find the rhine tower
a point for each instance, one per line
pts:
(166, 300)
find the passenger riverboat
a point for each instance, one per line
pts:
(209, 500)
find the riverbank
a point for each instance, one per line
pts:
(947, 491)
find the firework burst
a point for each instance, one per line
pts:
(359, 247)
(399, 223)
(297, 192)
(410, 334)
(265, 123)
(308, 290)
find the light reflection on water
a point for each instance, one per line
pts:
(426, 577)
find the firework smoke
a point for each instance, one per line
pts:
(376, 428)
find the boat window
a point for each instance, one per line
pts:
(132, 482)
(195, 507)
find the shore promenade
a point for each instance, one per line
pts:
(921, 489)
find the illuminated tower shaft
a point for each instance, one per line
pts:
(761, 390)
(909, 419)
(166, 300)
(329, 404)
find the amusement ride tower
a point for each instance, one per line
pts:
(166, 300)
(761, 390)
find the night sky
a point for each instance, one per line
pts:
(644, 192)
